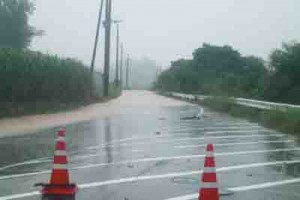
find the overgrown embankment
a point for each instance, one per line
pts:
(283, 120)
(32, 82)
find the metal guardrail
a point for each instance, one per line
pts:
(242, 101)
(266, 104)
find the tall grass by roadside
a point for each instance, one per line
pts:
(33, 76)
(33, 82)
(282, 120)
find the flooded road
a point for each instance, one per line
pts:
(144, 149)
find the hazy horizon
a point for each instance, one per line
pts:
(167, 30)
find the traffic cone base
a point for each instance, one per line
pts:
(209, 194)
(59, 190)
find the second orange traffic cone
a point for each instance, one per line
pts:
(209, 186)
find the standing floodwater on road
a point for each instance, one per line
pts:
(146, 150)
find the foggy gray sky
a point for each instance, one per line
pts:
(165, 30)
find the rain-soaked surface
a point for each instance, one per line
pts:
(146, 150)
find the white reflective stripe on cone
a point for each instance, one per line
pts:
(60, 153)
(60, 138)
(207, 185)
(209, 170)
(60, 166)
(209, 154)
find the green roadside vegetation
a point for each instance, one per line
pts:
(287, 121)
(223, 71)
(36, 83)
(32, 82)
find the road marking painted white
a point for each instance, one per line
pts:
(225, 137)
(180, 174)
(136, 151)
(163, 176)
(238, 131)
(38, 161)
(243, 188)
(72, 158)
(29, 162)
(215, 124)
(185, 197)
(235, 143)
(210, 126)
(215, 128)
(171, 135)
(155, 159)
(19, 196)
(176, 140)
(24, 175)
(264, 185)
(164, 139)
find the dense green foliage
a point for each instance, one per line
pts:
(282, 120)
(222, 70)
(28, 76)
(15, 31)
(32, 82)
(284, 84)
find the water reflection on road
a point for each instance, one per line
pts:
(143, 149)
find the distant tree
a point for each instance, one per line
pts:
(180, 77)
(15, 31)
(284, 84)
(219, 58)
(254, 77)
(219, 70)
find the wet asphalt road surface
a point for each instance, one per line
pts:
(148, 151)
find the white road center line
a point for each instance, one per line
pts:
(235, 143)
(179, 174)
(176, 140)
(154, 159)
(243, 188)
(170, 135)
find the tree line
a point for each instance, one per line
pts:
(222, 70)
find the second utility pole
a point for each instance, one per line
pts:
(117, 55)
(127, 73)
(121, 66)
(107, 48)
(97, 36)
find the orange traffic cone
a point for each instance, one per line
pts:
(209, 186)
(59, 184)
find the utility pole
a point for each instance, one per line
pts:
(107, 47)
(127, 72)
(121, 66)
(117, 55)
(96, 37)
